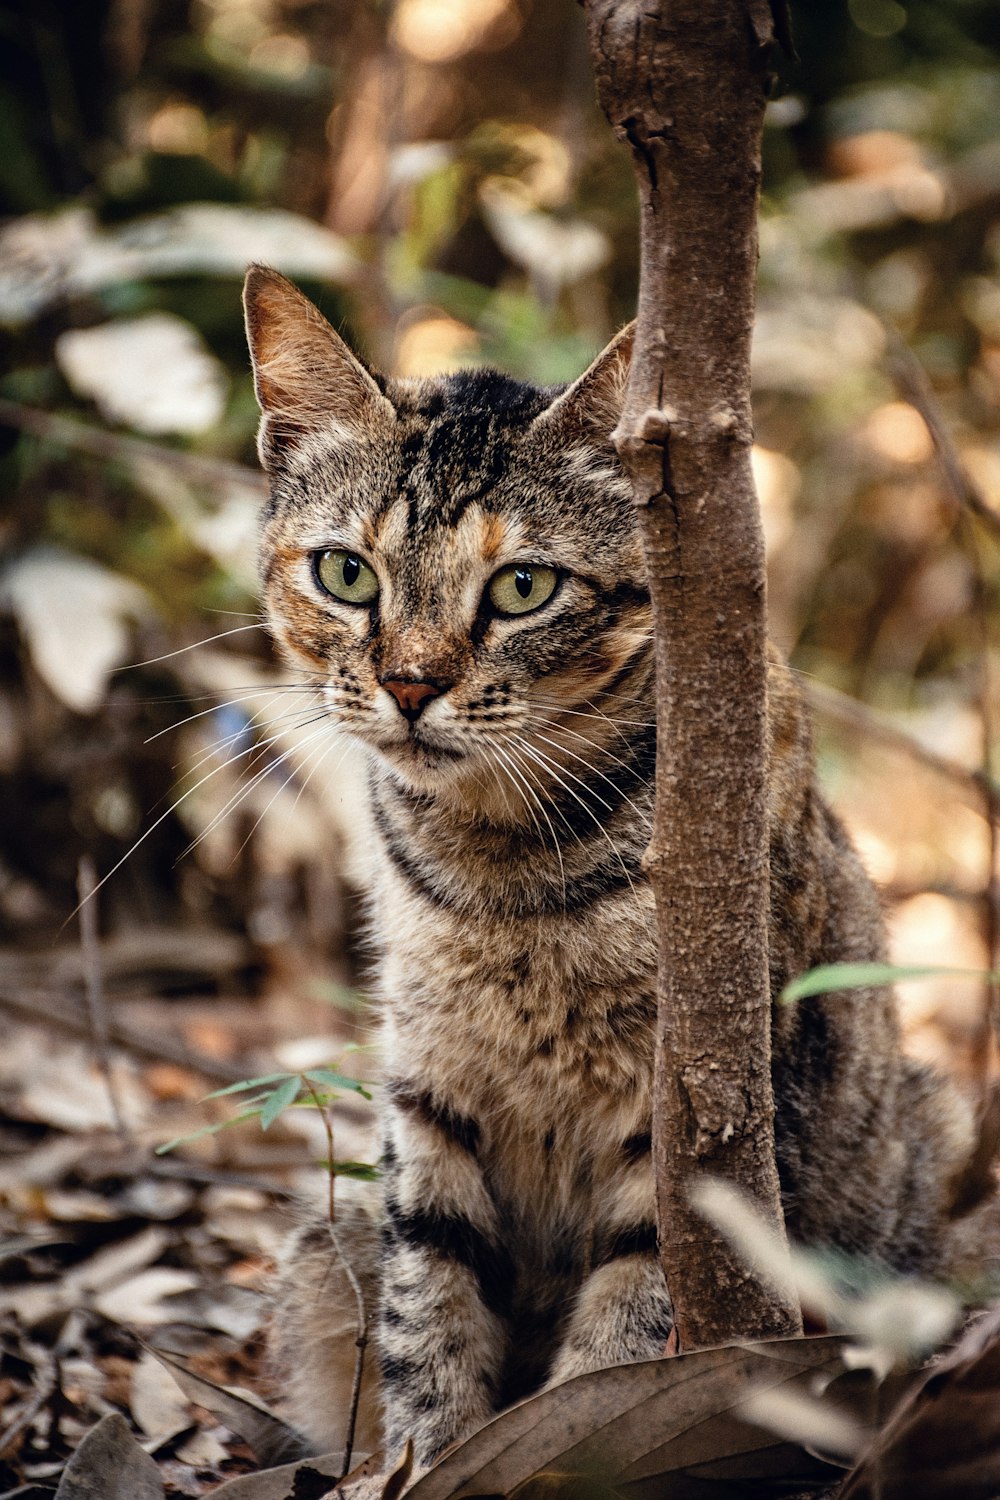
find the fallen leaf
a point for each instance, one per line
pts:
(116, 1262)
(141, 1299)
(157, 1402)
(203, 1450)
(273, 1440)
(370, 1482)
(308, 1477)
(238, 1311)
(661, 1429)
(110, 1465)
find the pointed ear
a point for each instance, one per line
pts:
(305, 377)
(593, 403)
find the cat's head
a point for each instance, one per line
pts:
(454, 560)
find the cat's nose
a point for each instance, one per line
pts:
(412, 696)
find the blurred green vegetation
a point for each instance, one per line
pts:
(436, 175)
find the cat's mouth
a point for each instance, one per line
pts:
(418, 747)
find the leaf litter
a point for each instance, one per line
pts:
(104, 1245)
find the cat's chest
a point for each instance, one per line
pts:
(523, 1022)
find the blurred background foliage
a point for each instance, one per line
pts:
(436, 175)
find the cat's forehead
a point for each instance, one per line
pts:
(460, 440)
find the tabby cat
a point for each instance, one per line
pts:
(455, 560)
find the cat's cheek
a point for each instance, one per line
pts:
(299, 649)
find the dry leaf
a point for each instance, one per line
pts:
(272, 1440)
(369, 1482)
(45, 258)
(557, 252)
(153, 373)
(286, 1480)
(657, 1429)
(73, 616)
(110, 1465)
(203, 1449)
(157, 1402)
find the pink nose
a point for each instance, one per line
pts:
(411, 696)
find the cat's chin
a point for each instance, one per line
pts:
(418, 763)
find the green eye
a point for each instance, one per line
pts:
(346, 576)
(519, 589)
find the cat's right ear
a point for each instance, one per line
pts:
(592, 405)
(305, 377)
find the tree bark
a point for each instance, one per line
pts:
(684, 83)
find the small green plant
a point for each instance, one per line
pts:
(312, 1088)
(829, 977)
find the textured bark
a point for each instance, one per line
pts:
(683, 81)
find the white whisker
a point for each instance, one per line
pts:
(546, 762)
(594, 745)
(218, 746)
(217, 707)
(513, 768)
(312, 769)
(154, 826)
(595, 713)
(565, 750)
(242, 792)
(133, 665)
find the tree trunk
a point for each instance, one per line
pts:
(683, 81)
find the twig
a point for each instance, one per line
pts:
(102, 443)
(361, 1342)
(914, 387)
(975, 786)
(86, 888)
(967, 501)
(44, 1393)
(44, 1008)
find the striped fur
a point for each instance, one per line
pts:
(514, 925)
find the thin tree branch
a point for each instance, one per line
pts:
(975, 787)
(40, 1007)
(914, 387)
(361, 1341)
(116, 447)
(86, 886)
(968, 502)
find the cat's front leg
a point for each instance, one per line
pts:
(622, 1311)
(446, 1277)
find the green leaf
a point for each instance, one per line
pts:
(196, 1135)
(830, 977)
(285, 1094)
(362, 1171)
(249, 1083)
(341, 996)
(335, 1080)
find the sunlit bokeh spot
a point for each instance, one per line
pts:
(898, 432)
(179, 128)
(435, 344)
(239, 23)
(879, 18)
(438, 31)
(777, 480)
(288, 56)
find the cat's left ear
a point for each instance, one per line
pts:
(592, 405)
(305, 377)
